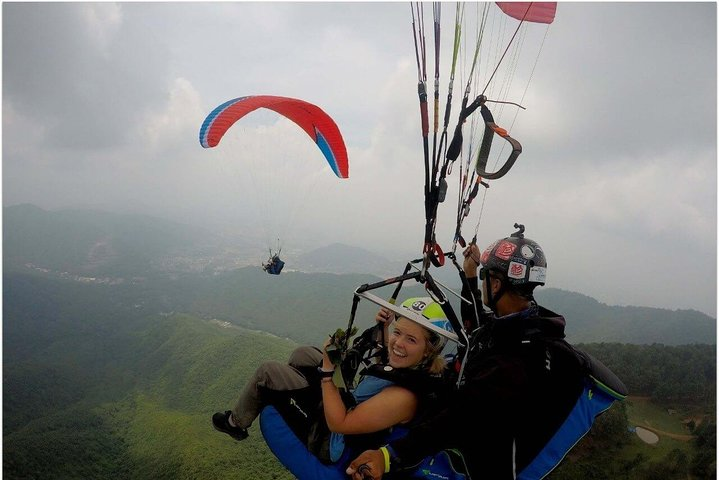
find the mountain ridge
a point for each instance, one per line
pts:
(172, 267)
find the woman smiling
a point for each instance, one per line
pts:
(378, 403)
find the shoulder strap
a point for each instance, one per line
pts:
(598, 373)
(604, 378)
(418, 382)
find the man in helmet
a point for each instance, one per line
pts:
(512, 268)
(520, 383)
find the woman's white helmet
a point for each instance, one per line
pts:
(433, 312)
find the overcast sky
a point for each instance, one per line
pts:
(102, 104)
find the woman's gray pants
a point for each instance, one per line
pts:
(275, 376)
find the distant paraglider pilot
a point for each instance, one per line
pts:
(274, 265)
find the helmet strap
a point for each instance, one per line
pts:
(492, 298)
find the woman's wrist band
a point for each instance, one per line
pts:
(326, 380)
(385, 454)
(325, 373)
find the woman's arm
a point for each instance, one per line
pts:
(391, 406)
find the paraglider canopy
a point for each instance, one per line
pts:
(312, 119)
(538, 12)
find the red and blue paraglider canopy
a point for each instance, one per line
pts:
(312, 119)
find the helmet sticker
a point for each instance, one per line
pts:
(485, 255)
(419, 305)
(443, 324)
(517, 270)
(538, 274)
(527, 251)
(505, 250)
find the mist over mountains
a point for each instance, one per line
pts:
(173, 267)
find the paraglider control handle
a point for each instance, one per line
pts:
(364, 470)
(455, 145)
(478, 102)
(435, 254)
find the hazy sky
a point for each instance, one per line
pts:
(102, 104)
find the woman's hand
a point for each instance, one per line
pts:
(370, 464)
(326, 362)
(385, 316)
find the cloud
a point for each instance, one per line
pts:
(617, 180)
(634, 87)
(103, 20)
(173, 124)
(79, 72)
(656, 197)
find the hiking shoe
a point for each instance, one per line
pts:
(221, 423)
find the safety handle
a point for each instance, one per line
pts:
(490, 130)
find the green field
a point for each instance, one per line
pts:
(673, 433)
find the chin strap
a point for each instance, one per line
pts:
(491, 298)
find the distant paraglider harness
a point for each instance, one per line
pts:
(274, 265)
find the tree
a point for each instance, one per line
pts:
(703, 464)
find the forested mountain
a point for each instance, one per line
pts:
(94, 388)
(341, 259)
(163, 266)
(591, 321)
(121, 335)
(106, 387)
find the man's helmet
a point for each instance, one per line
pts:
(433, 312)
(520, 260)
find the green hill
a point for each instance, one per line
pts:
(117, 376)
(591, 321)
(105, 389)
(105, 392)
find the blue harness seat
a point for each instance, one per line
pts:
(274, 267)
(293, 454)
(299, 461)
(601, 389)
